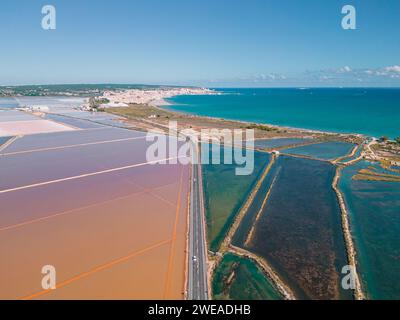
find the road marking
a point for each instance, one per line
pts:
(88, 175)
(172, 249)
(97, 269)
(71, 146)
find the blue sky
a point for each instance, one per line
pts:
(207, 42)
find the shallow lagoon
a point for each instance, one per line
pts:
(225, 192)
(248, 220)
(299, 231)
(355, 156)
(248, 283)
(8, 103)
(15, 115)
(379, 169)
(129, 220)
(324, 150)
(375, 222)
(62, 139)
(3, 140)
(279, 142)
(53, 102)
(77, 123)
(71, 159)
(80, 224)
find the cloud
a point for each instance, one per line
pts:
(339, 76)
(269, 77)
(324, 78)
(346, 75)
(393, 69)
(344, 69)
(389, 72)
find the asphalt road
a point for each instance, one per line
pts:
(197, 280)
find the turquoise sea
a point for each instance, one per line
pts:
(374, 111)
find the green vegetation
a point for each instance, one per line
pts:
(239, 278)
(397, 140)
(66, 89)
(139, 111)
(225, 193)
(96, 103)
(370, 175)
(260, 127)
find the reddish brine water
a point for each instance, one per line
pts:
(115, 235)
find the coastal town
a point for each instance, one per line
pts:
(151, 97)
(146, 109)
(200, 155)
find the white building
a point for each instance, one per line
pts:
(39, 108)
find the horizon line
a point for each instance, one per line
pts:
(199, 86)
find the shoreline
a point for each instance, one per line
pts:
(363, 141)
(163, 105)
